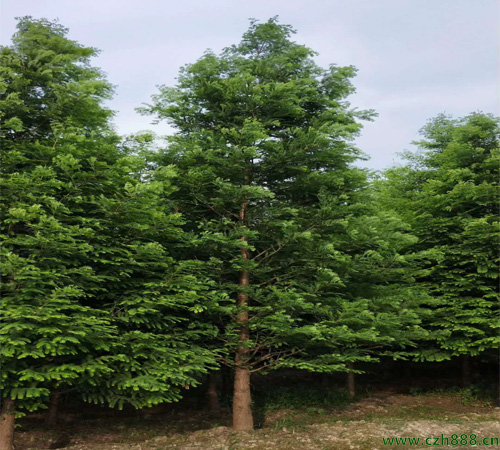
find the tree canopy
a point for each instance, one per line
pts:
(81, 255)
(448, 193)
(250, 238)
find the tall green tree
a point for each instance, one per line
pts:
(56, 150)
(374, 307)
(369, 305)
(83, 274)
(264, 154)
(448, 193)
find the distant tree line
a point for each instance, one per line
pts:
(132, 268)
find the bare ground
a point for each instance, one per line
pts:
(361, 426)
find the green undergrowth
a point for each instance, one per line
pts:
(296, 406)
(479, 394)
(303, 398)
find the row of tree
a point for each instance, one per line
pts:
(132, 269)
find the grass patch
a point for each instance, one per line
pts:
(297, 406)
(311, 399)
(479, 394)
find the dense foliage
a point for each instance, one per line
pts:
(249, 239)
(265, 158)
(448, 193)
(85, 273)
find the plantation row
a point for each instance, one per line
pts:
(134, 266)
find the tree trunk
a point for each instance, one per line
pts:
(213, 396)
(351, 381)
(7, 424)
(242, 399)
(53, 411)
(466, 371)
(497, 400)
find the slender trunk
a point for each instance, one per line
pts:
(351, 381)
(53, 411)
(213, 396)
(242, 399)
(497, 400)
(466, 371)
(7, 424)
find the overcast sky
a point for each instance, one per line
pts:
(416, 58)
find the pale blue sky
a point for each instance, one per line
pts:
(416, 58)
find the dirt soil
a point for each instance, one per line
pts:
(361, 426)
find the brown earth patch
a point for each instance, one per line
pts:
(359, 427)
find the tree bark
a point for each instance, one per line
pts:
(242, 399)
(213, 396)
(351, 381)
(7, 424)
(52, 413)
